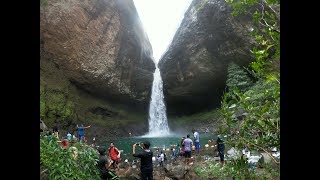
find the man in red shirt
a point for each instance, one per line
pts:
(114, 154)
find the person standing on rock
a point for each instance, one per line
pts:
(81, 132)
(196, 140)
(114, 154)
(220, 149)
(161, 159)
(187, 148)
(146, 166)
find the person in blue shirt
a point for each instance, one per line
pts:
(81, 132)
(69, 136)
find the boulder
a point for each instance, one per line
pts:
(194, 68)
(176, 172)
(100, 46)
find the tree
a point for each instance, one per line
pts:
(238, 78)
(260, 128)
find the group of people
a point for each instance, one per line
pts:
(105, 162)
(161, 158)
(66, 139)
(80, 131)
(108, 164)
(146, 154)
(185, 150)
(186, 145)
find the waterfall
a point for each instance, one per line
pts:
(158, 123)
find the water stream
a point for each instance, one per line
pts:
(158, 122)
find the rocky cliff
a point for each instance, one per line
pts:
(194, 68)
(100, 45)
(96, 61)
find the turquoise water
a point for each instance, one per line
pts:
(167, 142)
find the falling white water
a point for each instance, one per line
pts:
(160, 28)
(158, 123)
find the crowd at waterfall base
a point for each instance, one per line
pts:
(170, 163)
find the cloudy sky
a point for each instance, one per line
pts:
(160, 19)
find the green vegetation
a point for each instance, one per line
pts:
(251, 105)
(63, 163)
(237, 169)
(260, 129)
(56, 105)
(238, 78)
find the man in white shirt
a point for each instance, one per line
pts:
(161, 158)
(196, 140)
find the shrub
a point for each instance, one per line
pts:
(62, 164)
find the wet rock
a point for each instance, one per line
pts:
(101, 47)
(265, 158)
(177, 171)
(194, 68)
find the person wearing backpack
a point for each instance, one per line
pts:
(114, 154)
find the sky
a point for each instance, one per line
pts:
(160, 20)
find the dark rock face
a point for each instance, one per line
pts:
(194, 68)
(96, 67)
(100, 46)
